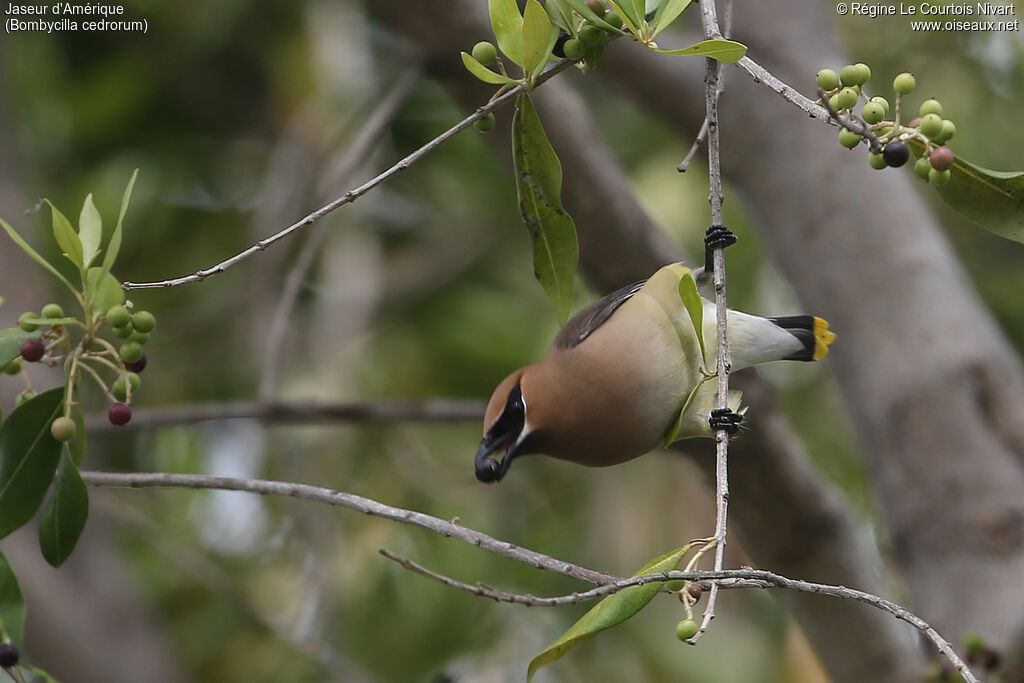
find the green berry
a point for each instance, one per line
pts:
(143, 321)
(922, 167)
(140, 337)
(930, 107)
(877, 161)
(872, 113)
(131, 351)
(938, 177)
(118, 387)
(931, 125)
(52, 311)
(63, 428)
(574, 48)
(847, 98)
(14, 367)
(591, 35)
(941, 158)
(834, 102)
(905, 83)
(948, 130)
(118, 316)
(24, 397)
(827, 79)
(24, 324)
(865, 72)
(123, 332)
(883, 102)
(596, 6)
(850, 75)
(485, 53)
(612, 17)
(848, 139)
(486, 124)
(686, 629)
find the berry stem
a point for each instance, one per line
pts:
(98, 379)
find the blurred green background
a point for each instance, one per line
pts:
(236, 114)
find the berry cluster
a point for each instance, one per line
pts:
(92, 353)
(888, 138)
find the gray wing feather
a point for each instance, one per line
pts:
(583, 324)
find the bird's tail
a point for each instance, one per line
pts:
(812, 332)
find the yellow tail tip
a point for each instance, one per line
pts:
(822, 338)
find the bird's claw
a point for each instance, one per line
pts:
(724, 419)
(719, 236)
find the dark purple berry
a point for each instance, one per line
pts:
(992, 659)
(8, 656)
(138, 366)
(896, 154)
(32, 349)
(119, 414)
(695, 591)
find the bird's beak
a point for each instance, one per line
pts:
(490, 469)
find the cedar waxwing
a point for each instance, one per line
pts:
(613, 384)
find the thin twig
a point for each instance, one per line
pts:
(725, 578)
(763, 76)
(709, 20)
(853, 123)
(362, 143)
(434, 410)
(354, 193)
(702, 136)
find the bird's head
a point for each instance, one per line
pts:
(505, 429)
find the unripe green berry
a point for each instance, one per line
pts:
(485, 53)
(847, 98)
(118, 387)
(827, 79)
(486, 124)
(591, 35)
(597, 6)
(14, 367)
(119, 316)
(941, 158)
(686, 629)
(834, 102)
(52, 311)
(905, 83)
(63, 428)
(848, 139)
(921, 167)
(930, 125)
(143, 321)
(131, 351)
(850, 75)
(140, 337)
(865, 72)
(24, 324)
(123, 332)
(939, 177)
(612, 17)
(883, 102)
(872, 113)
(24, 397)
(930, 107)
(948, 130)
(574, 48)
(877, 161)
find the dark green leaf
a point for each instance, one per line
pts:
(560, 13)
(695, 308)
(668, 12)
(584, 11)
(28, 458)
(673, 430)
(12, 605)
(10, 343)
(90, 230)
(727, 51)
(67, 238)
(106, 292)
(114, 245)
(539, 185)
(992, 199)
(539, 36)
(483, 73)
(631, 10)
(76, 447)
(34, 255)
(507, 23)
(65, 514)
(611, 611)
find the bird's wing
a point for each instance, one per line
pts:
(581, 325)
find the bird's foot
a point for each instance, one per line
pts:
(717, 236)
(724, 419)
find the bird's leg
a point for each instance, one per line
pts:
(715, 237)
(725, 419)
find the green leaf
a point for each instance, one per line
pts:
(34, 255)
(10, 343)
(76, 447)
(65, 514)
(581, 8)
(67, 238)
(727, 51)
(992, 199)
(539, 36)
(694, 305)
(12, 605)
(51, 321)
(28, 458)
(539, 186)
(560, 13)
(114, 245)
(106, 289)
(677, 424)
(483, 73)
(611, 611)
(632, 9)
(508, 28)
(90, 230)
(39, 672)
(668, 12)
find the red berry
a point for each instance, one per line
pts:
(32, 349)
(138, 366)
(896, 154)
(119, 414)
(942, 158)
